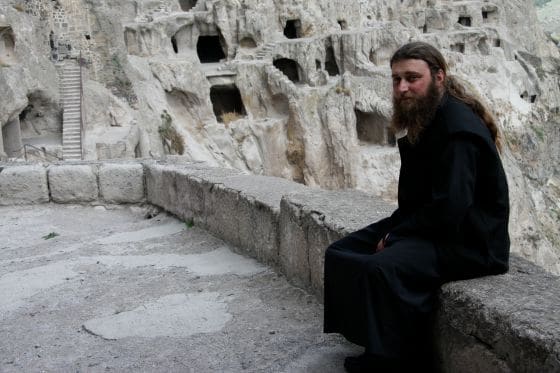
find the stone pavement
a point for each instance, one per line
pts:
(95, 289)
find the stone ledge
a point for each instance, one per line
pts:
(507, 323)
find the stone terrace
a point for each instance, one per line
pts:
(503, 323)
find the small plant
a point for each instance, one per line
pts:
(169, 134)
(229, 117)
(50, 235)
(189, 223)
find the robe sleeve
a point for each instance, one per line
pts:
(452, 195)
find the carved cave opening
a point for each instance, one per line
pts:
(343, 24)
(330, 62)
(209, 49)
(174, 44)
(458, 47)
(292, 30)
(489, 15)
(497, 43)
(187, 5)
(373, 128)
(465, 21)
(226, 101)
(289, 68)
(7, 44)
(247, 42)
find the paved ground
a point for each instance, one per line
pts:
(86, 289)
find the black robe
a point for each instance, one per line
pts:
(451, 223)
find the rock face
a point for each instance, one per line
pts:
(298, 90)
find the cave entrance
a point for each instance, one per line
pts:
(465, 21)
(288, 67)
(247, 42)
(187, 5)
(7, 44)
(372, 128)
(174, 43)
(292, 30)
(330, 62)
(227, 103)
(489, 15)
(343, 24)
(209, 49)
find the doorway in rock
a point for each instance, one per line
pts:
(292, 30)
(227, 102)
(209, 49)
(289, 67)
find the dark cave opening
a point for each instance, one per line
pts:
(209, 49)
(187, 5)
(226, 101)
(289, 68)
(330, 62)
(292, 30)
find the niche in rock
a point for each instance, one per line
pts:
(227, 103)
(465, 21)
(292, 30)
(289, 67)
(42, 116)
(281, 105)
(209, 49)
(343, 24)
(174, 43)
(372, 128)
(187, 5)
(330, 62)
(7, 44)
(458, 47)
(489, 15)
(247, 42)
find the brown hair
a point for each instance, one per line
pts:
(423, 51)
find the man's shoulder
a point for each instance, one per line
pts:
(456, 117)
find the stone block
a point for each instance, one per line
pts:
(73, 183)
(507, 323)
(20, 185)
(121, 183)
(311, 220)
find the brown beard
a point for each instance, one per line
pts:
(414, 114)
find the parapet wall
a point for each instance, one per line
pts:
(507, 323)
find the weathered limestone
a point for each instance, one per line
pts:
(121, 183)
(11, 134)
(73, 183)
(22, 185)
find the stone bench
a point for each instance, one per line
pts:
(508, 323)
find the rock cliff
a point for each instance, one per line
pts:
(289, 88)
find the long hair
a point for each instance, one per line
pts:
(423, 51)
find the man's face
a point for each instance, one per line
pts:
(412, 79)
(416, 95)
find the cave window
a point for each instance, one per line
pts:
(533, 98)
(318, 65)
(425, 29)
(187, 5)
(247, 42)
(330, 62)
(497, 43)
(465, 21)
(87, 36)
(343, 24)
(289, 68)
(7, 43)
(489, 15)
(226, 101)
(292, 29)
(209, 49)
(458, 47)
(174, 43)
(372, 128)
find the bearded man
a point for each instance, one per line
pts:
(451, 223)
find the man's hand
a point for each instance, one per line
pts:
(381, 243)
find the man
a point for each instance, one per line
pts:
(381, 282)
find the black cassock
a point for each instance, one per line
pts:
(451, 223)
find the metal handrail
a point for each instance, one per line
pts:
(44, 151)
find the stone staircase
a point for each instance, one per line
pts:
(266, 51)
(70, 92)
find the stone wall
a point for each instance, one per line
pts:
(506, 323)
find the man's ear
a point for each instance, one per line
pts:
(440, 77)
